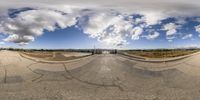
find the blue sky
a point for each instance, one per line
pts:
(60, 39)
(75, 38)
(64, 38)
(125, 25)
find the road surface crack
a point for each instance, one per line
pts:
(5, 73)
(40, 75)
(90, 83)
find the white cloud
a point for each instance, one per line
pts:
(152, 18)
(197, 28)
(152, 36)
(188, 36)
(19, 39)
(30, 24)
(98, 23)
(108, 26)
(136, 33)
(171, 7)
(171, 29)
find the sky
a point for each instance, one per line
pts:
(121, 24)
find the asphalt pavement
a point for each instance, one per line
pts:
(99, 77)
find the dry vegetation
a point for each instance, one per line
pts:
(160, 53)
(37, 54)
(54, 56)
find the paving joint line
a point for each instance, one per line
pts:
(35, 79)
(89, 83)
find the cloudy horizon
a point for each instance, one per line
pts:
(106, 24)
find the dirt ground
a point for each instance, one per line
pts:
(56, 56)
(161, 53)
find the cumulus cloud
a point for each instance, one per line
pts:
(152, 36)
(28, 25)
(187, 36)
(197, 28)
(111, 28)
(107, 21)
(152, 18)
(170, 7)
(136, 33)
(21, 40)
(171, 29)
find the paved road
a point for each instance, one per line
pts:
(100, 77)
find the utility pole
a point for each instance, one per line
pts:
(94, 50)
